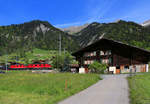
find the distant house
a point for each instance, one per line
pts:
(120, 57)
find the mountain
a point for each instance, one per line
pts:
(33, 34)
(74, 29)
(146, 23)
(126, 32)
(25, 37)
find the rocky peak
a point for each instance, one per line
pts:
(74, 29)
(43, 28)
(146, 23)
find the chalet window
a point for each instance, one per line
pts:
(88, 54)
(109, 52)
(110, 60)
(92, 61)
(105, 52)
(117, 67)
(102, 53)
(85, 62)
(88, 62)
(105, 61)
(92, 54)
(95, 53)
(85, 54)
(126, 67)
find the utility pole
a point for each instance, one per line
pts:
(59, 44)
(6, 63)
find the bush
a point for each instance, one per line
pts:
(97, 67)
(61, 62)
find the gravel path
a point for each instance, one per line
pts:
(113, 89)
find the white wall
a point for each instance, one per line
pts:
(81, 70)
(147, 67)
(112, 68)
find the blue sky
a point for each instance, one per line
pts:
(64, 13)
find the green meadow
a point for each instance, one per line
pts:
(24, 87)
(140, 88)
(36, 54)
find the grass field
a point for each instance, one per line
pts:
(38, 54)
(140, 89)
(30, 88)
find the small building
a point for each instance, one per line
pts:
(74, 68)
(120, 57)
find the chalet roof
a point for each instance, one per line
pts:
(91, 46)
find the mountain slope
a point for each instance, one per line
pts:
(74, 29)
(146, 23)
(126, 32)
(34, 34)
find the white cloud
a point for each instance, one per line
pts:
(67, 24)
(94, 11)
(98, 8)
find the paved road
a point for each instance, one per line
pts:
(113, 89)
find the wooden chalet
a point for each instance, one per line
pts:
(120, 57)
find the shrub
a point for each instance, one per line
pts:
(97, 67)
(61, 62)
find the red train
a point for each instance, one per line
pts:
(30, 67)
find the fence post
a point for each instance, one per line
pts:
(66, 85)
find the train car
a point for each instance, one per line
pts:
(30, 67)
